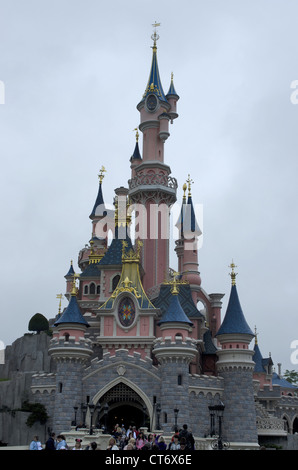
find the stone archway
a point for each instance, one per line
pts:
(127, 404)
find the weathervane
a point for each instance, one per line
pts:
(233, 274)
(189, 181)
(155, 36)
(137, 134)
(101, 174)
(59, 296)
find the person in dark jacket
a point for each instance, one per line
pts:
(190, 442)
(50, 444)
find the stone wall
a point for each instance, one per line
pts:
(23, 358)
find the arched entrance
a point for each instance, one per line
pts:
(295, 426)
(121, 404)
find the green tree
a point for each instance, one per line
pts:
(38, 323)
(291, 376)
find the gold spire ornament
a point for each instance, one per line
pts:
(256, 336)
(74, 289)
(137, 134)
(184, 187)
(175, 283)
(233, 274)
(59, 296)
(155, 36)
(189, 181)
(101, 174)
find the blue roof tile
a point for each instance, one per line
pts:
(175, 313)
(72, 314)
(234, 321)
(98, 208)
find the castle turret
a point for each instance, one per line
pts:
(186, 246)
(174, 351)
(151, 186)
(71, 351)
(236, 366)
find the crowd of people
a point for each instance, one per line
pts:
(59, 443)
(124, 439)
(133, 439)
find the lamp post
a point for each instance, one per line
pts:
(218, 411)
(84, 410)
(91, 409)
(212, 420)
(97, 408)
(106, 410)
(75, 416)
(176, 411)
(144, 408)
(158, 410)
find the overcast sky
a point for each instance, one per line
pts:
(74, 72)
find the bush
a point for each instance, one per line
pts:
(38, 323)
(38, 413)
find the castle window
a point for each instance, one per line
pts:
(179, 379)
(165, 418)
(98, 290)
(92, 288)
(86, 290)
(115, 281)
(60, 386)
(66, 336)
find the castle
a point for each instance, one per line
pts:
(132, 346)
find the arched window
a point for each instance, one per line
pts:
(98, 289)
(86, 290)
(60, 386)
(92, 288)
(115, 281)
(66, 336)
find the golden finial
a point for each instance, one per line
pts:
(175, 283)
(256, 336)
(59, 296)
(184, 191)
(74, 289)
(124, 246)
(137, 134)
(233, 274)
(101, 174)
(189, 181)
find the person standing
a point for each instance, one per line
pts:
(35, 444)
(51, 444)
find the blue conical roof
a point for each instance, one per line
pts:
(187, 222)
(72, 314)
(70, 271)
(234, 321)
(98, 209)
(172, 91)
(136, 154)
(175, 313)
(258, 359)
(154, 83)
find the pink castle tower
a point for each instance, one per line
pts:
(151, 187)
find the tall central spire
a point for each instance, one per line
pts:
(154, 82)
